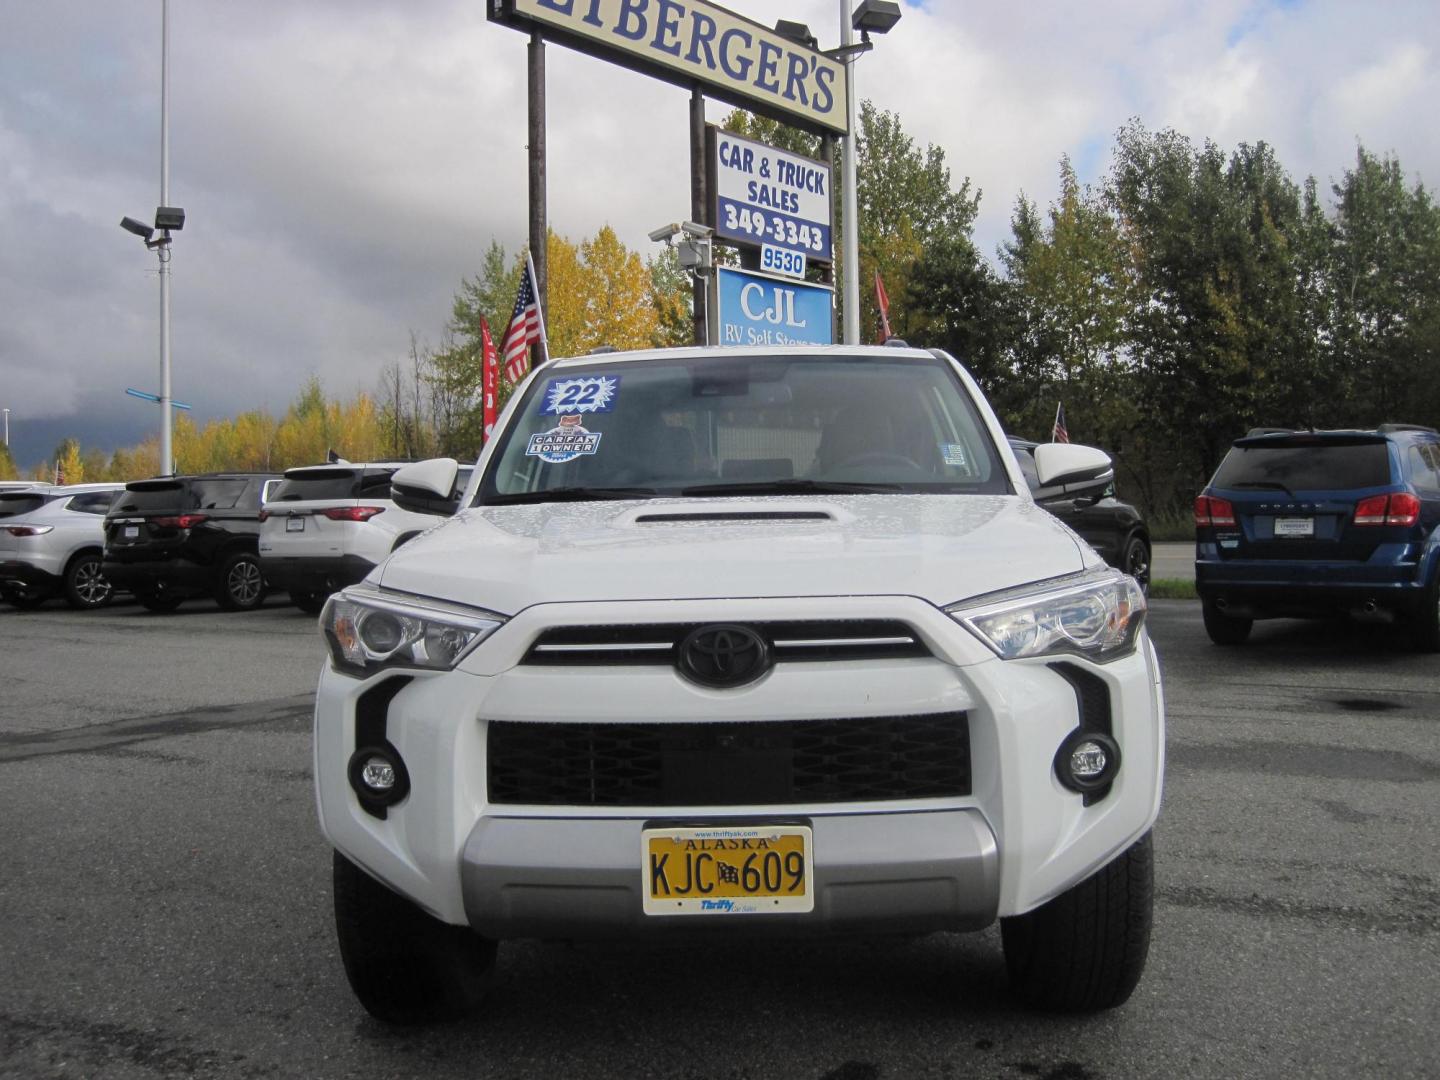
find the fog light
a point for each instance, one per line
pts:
(378, 775)
(378, 778)
(1087, 761)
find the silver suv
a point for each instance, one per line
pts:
(327, 526)
(51, 541)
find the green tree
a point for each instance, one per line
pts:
(7, 464)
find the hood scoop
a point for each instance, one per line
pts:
(688, 516)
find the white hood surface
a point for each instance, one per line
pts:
(941, 548)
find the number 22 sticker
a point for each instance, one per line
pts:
(592, 394)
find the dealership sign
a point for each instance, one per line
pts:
(753, 309)
(770, 198)
(696, 44)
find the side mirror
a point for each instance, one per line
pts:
(427, 487)
(1066, 469)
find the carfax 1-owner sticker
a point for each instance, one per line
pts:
(563, 443)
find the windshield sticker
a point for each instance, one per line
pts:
(563, 443)
(954, 454)
(590, 394)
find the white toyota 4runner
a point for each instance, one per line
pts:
(741, 641)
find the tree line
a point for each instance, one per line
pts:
(1190, 294)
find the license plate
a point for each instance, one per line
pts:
(727, 870)
(132, 532)
(294, 524)
(1294, 526)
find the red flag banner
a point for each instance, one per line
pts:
(883, 302)
(490, 372)
(1060, 433)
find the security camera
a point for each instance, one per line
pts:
(700, 232)
(665, 233)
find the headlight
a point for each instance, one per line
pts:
(1097, 615)
(368, 629)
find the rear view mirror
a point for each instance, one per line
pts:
(426, 487)
(1066, 469)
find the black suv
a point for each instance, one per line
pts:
(1115, 529)
(179, 536)
(1308, 524)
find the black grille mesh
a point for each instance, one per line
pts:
(729, 764)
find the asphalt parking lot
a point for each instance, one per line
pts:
(165, 912)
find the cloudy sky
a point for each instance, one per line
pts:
(344, 163)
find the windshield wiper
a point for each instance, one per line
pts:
(789, 487)
(569, 494)
(1268, 485)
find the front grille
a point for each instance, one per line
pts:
(656, 643)
(729, 764)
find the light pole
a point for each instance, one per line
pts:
(7, 428)
(879, 16)
(167, 219)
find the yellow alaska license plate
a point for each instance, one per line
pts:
(727, 870)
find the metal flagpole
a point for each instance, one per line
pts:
(167, 463)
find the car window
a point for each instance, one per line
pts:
(691, 423)
(20, 502)
(375, 484)
(154, 496)
(303, 485)
(1306, 466)
(91, 502)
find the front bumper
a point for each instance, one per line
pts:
(579, 878)
(510, 870)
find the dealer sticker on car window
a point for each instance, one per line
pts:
(589, 394)
(953, 454)
(563, 443)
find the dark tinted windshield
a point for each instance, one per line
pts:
(20, 502)
(157, 496)
(1314, 466)
(722, 425)
(301, 486)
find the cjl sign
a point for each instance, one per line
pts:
(753, 309)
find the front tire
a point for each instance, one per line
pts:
(241, 584)
(1085, 950)
(158, 600)
(1424, 622)
(308, 601)
(405, 966)
(86, 586)
(1225, 629)
(1136, 562)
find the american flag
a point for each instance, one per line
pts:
(1060, 433)
(526, 327)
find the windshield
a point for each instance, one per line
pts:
(710, 425)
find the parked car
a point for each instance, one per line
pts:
(1115, 529)
(180, 536)
(741, 641)
(1311, 524)
(327, 526)
(51, 539)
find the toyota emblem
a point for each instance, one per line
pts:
(723, 655)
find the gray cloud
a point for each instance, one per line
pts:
(344, 164)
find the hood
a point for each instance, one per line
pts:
(941, 548)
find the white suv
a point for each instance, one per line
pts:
(51, 542)
(745, 641)
(326, 526)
